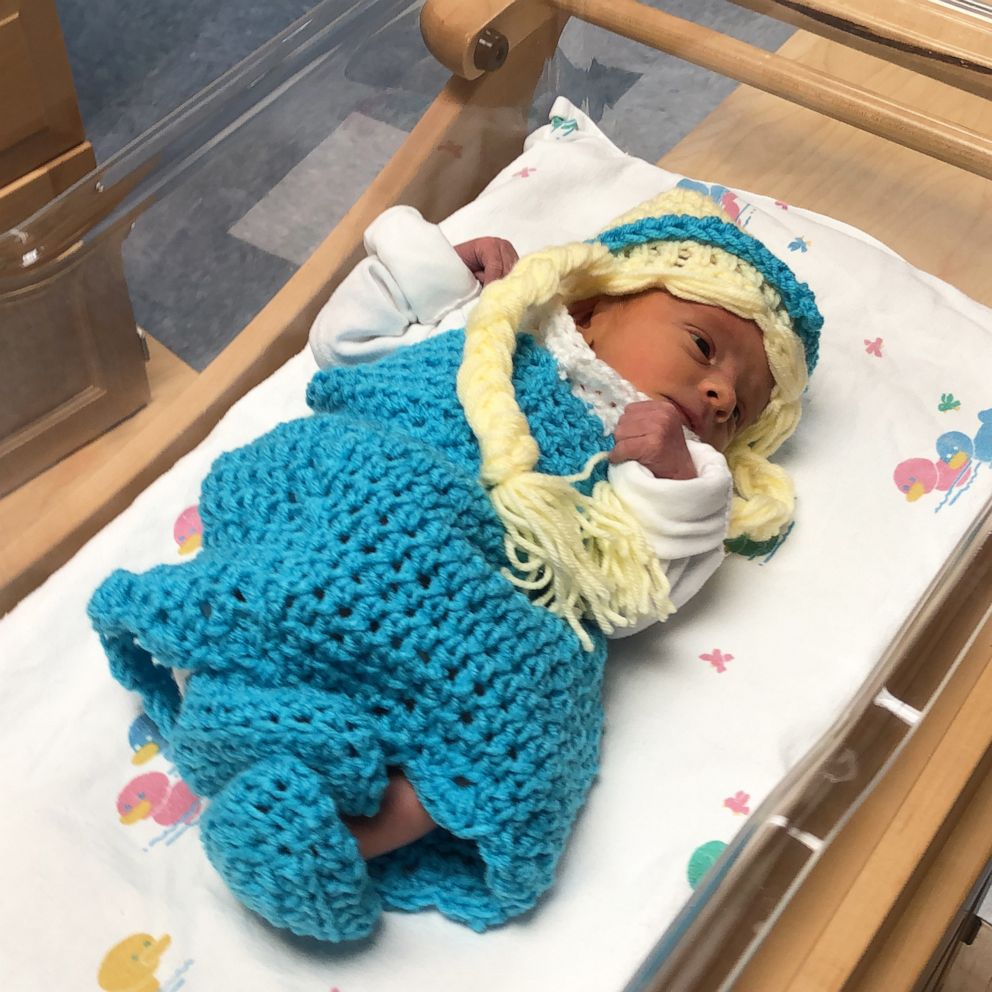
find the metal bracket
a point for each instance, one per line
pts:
(475, 38)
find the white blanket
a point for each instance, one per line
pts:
(705, 714)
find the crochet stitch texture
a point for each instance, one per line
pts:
(347, 613)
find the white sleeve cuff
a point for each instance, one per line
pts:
(412, 286)
(681, 517)
(684, 520)
(434, 280)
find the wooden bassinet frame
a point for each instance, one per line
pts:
(856, 920)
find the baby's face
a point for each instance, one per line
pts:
(709, 363)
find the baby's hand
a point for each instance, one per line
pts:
(487, 258)
(650, 432)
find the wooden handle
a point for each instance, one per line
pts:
(796, 83)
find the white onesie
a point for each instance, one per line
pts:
(413, 285)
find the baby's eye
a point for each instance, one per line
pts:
(703, 345)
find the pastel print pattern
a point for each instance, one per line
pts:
(703, 858)
(959, 459)
(129, 966)
(146, 740)
(739, 212)
(718, 659)
(154, 795)
(738, 803)
(188, 530)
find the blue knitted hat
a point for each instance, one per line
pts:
(689, 233)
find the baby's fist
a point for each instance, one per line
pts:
(650, 432)
(488, 259)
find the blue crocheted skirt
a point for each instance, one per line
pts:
(347, 614)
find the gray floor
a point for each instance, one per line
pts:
(134, 61)
(208, 256)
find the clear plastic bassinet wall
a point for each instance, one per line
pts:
(221, 231)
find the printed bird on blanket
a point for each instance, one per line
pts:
(959, 459)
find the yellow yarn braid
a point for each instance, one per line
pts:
(586, 556)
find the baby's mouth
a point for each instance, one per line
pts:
(687, 418)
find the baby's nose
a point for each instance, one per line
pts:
(721, 397)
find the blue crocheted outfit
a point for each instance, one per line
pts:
(347, 613)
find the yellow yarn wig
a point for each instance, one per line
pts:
(587, 557)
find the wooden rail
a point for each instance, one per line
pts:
(798, 84)
(455, 31)
(934, 41)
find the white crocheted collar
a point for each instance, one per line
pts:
(593, 381)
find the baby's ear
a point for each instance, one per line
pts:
(582, 310)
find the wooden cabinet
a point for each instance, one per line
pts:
(71, 361)
(39, 118)
(43, 149)
(32, 191)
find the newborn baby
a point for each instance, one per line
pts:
(395, 629)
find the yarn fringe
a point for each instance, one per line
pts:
(584, 556)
